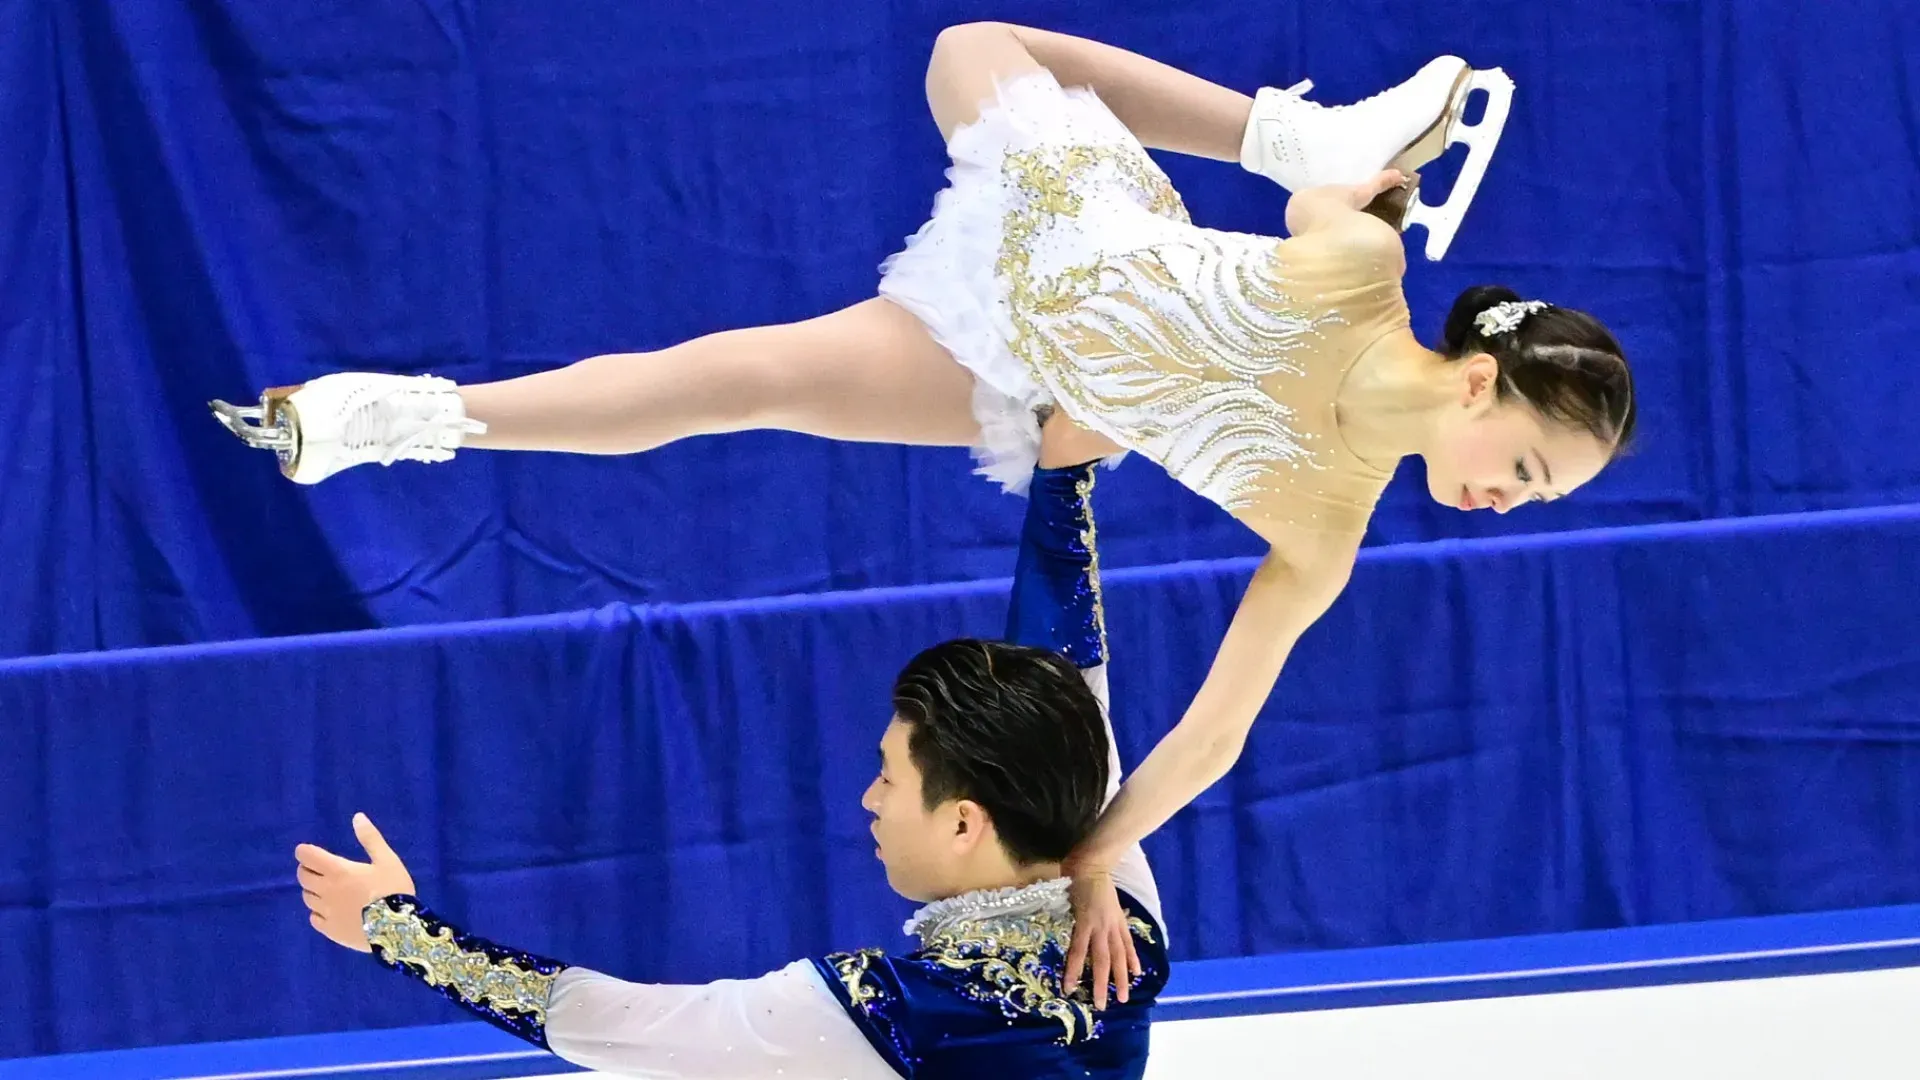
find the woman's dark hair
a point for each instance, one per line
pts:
(1562, 362)
(1013, 728)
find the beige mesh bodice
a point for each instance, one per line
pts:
(1218, 355)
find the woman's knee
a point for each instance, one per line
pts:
(965, 38)
(967, 63)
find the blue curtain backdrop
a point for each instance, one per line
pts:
(198, 200)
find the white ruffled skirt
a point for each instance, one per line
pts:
(946, 274)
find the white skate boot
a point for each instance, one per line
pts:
(338, 421)
(1300, 144)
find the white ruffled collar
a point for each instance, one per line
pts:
(1014, 901)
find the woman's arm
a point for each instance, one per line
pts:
(1280, 603)
(1285, 597)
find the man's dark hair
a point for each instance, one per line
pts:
(1013, 728)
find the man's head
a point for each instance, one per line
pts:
(993, 769)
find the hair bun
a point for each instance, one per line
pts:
(1460, 329)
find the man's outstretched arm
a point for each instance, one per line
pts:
(735, 1029)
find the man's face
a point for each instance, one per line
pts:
(922, 849)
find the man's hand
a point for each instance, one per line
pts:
(337, 890)
(1317, 208)
(1363, 193)
(1064, 444)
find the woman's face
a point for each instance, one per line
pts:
(1494, 455)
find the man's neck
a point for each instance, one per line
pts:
(1004, 876)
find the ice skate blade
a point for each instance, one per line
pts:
(271, 425)
(1442, 222)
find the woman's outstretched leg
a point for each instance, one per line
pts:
(867, 373)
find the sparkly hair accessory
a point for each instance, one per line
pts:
(1506, 316)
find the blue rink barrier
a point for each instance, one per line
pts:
(1780, 946)
(1618, 728)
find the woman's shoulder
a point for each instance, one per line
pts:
(1363, 237)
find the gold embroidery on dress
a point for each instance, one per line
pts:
(1184, 369)
(405, 939)
(852, 970)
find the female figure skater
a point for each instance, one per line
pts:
(1059, 272)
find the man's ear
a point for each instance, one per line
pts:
(972, 826)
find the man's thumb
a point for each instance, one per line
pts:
(371, 840)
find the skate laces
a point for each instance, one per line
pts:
(382, 422)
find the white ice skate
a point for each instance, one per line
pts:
(338, 421)
(1300, 144)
